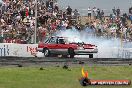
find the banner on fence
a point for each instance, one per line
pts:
(115, 52)
(30, 50)
(18, 50)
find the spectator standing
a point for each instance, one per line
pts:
(95, 12)
(69, 10)
(98, 13)
(131, 18)
(130, 10)
(118, 12)
(102, 15)
(89, 12)
(114, 11)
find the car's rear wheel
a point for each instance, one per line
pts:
(71, 52)
(90, 55)
(46, 52)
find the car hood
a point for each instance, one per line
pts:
(85, 45)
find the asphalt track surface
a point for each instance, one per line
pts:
(60, 61)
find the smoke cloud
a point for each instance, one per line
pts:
(107, 47)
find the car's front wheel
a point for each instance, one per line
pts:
(46, 52)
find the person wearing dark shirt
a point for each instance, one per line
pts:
(69, 10)
(114, 11)
(47, 4)
(51, 4)
(118, 12)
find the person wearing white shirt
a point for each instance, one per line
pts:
(89, 12)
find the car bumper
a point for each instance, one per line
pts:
(85, 51)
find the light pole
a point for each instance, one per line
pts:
(35, 30)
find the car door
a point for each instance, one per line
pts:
(52, 45)
(62, 47)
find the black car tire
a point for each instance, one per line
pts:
(90, 55)
(71, 52)
(46, 52)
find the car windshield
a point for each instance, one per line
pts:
(46, 39)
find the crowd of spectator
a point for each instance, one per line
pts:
(17, 21)
(117, 24)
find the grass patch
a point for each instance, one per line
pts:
(57, 77)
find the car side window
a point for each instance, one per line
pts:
(61, 41)
(52, 41)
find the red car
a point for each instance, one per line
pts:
(61, 46)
